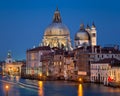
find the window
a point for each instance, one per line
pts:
(93, 34)
(112, 56)
(98, 56)
(32, 56)
(60, 57)
(102, 56)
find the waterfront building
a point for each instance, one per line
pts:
(58, 62)
(69, 72)
(82, 62)
(85, 55)
(105, 71)
(114, 73)
(33, 60)
(11, 67)
(47, 64)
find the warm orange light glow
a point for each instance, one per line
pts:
(32, 56)
(80, 90)
(40, 74)
(41, 91)
(6, 86)
(80, 79)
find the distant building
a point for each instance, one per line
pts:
(9, 58)
(11, 68)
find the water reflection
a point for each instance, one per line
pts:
(80, 90)
(17, 78)
(41, 90)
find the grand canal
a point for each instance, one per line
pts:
(53, 88)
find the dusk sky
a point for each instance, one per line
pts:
(23, 22)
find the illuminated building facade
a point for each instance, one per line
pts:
(50, 59)
(33, 61)
(69, 65)
(11, 68)
(85, 36)
(81, 62)
(105, 71)
(57, 34)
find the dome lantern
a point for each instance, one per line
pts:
(88, 27)
(93, 26)
(57, 17)
(81, 26)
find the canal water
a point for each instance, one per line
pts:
(54, 88)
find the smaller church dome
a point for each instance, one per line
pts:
(82, 34)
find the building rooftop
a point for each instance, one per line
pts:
(40, 48)
(111, 61)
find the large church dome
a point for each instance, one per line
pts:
(82, 34)
(57, 34)
(56, 28)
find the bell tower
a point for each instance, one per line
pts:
(93, 35)
(57, 17)
(9, 58)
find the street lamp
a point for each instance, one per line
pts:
(80, 80)
(40, 76)
(7, 88)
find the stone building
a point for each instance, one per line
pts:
(105, 71)
(57, 34)
(82, 62)
(10, 67)
(33, 60)
(47, 64)
(85, 36)
(69, 72)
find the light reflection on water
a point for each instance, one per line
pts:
(58, 88)
(41, 89)
(80, 90)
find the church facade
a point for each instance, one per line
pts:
(85, 36)
(57, 34)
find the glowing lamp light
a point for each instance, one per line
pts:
(6, 86)
(80, 79)
(40, 74)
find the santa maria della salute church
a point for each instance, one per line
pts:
(56, 56)
(57, 35)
